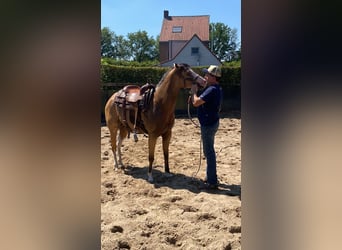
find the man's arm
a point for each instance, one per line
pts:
(196, 101)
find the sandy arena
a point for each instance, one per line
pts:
(173, 212)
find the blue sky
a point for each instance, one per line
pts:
(127, 16)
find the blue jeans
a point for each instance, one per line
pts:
(208, 139)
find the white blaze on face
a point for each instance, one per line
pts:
(198, 79)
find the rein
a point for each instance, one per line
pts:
(189, 115)
(197, 126)
(194, 123)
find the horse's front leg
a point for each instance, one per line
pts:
(166, 142)
(151, 147)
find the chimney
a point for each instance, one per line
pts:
(166, 15)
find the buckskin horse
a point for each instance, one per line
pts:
(148, 110)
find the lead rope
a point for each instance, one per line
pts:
(197, 126)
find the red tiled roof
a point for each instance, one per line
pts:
(190, 25)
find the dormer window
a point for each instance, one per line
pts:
(177, 29)
(194, 51)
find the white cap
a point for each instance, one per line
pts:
(213, 70)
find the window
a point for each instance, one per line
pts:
(177, 29)
(194, 51)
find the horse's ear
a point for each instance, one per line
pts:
(175, 65)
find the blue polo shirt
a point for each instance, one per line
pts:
(208, 113)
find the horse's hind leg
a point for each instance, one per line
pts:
(113, 135)
(123, 133)
(112, 124)
(151, 147)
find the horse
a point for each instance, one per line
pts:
(157, 117)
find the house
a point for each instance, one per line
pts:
(185, 39)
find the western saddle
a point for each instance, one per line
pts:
(130, 102)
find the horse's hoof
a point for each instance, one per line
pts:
(120, 166)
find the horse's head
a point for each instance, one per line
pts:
(189, 76)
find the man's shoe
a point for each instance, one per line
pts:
(208, 186)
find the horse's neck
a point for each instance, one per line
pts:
(167, 91)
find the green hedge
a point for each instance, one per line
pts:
(127, 74)
(141, 75)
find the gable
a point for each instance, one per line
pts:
(194, 53)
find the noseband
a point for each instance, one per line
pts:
(193, 79)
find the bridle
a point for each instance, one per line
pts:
(193, 79)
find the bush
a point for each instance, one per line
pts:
(142, 75)
(233, 64)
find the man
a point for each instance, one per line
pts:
(208, 103)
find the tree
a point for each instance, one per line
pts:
(142, 47)
(223, 41)
(121, 49)
(113, 46)
(107, 48)
(138, 47)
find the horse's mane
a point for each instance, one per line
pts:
(163, 77)
(167, 73)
